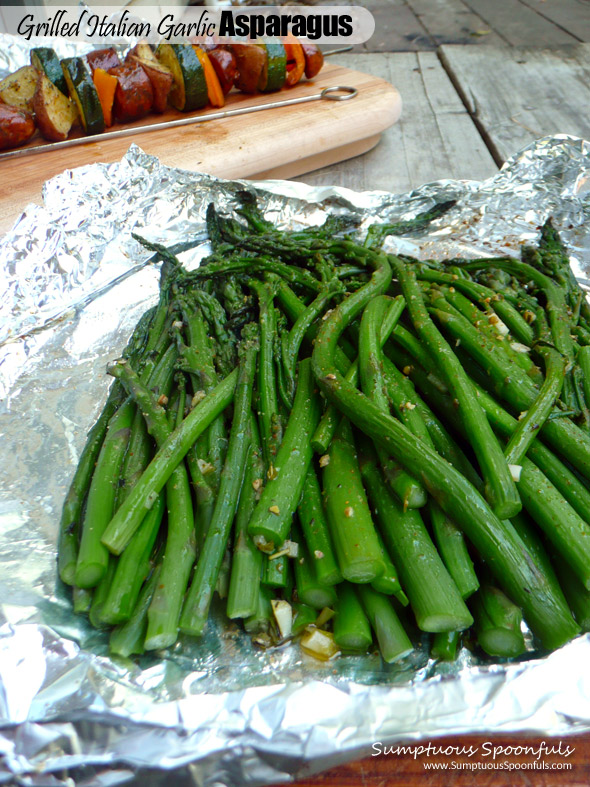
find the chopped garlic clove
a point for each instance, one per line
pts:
(520, 348)
(319, 644)
(283, 613)
(515, 471)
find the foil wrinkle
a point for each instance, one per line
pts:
(73, 284)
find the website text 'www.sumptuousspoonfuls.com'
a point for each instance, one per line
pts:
(486, 756)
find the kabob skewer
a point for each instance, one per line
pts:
(97, 91)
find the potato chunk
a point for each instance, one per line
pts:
(55, 113)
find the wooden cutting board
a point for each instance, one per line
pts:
(278, 143)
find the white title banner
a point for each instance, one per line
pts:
(106, 25)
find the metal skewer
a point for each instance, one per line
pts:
(338, 51)
(334, 93)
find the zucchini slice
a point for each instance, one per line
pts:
(44, 59)
(189, 88)
(83, 93)
(274, 72)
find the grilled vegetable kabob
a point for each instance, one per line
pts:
(98, 89)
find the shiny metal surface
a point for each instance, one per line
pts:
(73, 285)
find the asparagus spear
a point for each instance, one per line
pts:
(444, 645)
(74, 502)
(497, 623)
(518, 390)
(93, 555)
(393, 641)
(352, 631)
(410, 491)
(434, 597)
(246, 562)
(133, 567)
(271, 519)
(477, 292)
(351, 527)
(129, 517)
(196, 606)
(269, 417)
(128, 638)
(568, 484)
(330, 419)
(500, 490)
(180, 549)
(314, 525)
(309, 590)
(453, 550)
(495, 540)
(556, 309)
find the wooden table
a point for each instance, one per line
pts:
(466, 109)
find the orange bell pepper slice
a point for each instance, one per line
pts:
(214, 91)
(106, 85)
(295, 60)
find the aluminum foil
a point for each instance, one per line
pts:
(74, 283)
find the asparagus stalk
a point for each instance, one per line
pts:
(434, 597)
(93, 555)
(309, 590)
(353, 533)
(100, 594)
(74, 502)
(568, 484)
(180, 550)
(453, 550)
(393, 641)
(444, 645)
(388, 583)
(129, 517)
(578, 596)
(509, 315)
(410, 491)
(292, 341)
(132, 568)
(496, 541)
(304, 616)
(315, 530)
(330, 419)
(198, 355)
(269, 417)
(556, 307)
(275, 571)
(528, 427)
(500, 490)
(128, 638)
(82, 598)
(261, 619)
(497, 623)
(352, 631)
(272, 516)
(247, 559)
(196, 607)
(518, 391)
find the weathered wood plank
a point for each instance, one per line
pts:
(434, 139)
(571, 15)
(397, 29)
(451, 22)
(518, 24)
(408, 769)
(517, 95)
